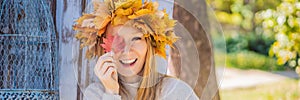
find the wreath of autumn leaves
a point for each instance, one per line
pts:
(155, 24)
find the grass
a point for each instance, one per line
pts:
(247, 60)
(252, 60)
(285, 90)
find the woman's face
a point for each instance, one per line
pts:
(130, 49)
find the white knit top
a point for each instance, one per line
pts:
(172, 89)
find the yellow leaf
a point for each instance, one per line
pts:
(124, 4)
(143, 11)
(146, 35)
(101, 22)
(137, 5)
(84, 17)
(161, 38)
(119, 19)
(124, 12)
(84, 29)
(140, 13)
(169, 22)
(150, 5)
(161, 51)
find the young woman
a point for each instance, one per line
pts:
(134, 33)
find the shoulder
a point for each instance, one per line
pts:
(174, 88)
(94, 90)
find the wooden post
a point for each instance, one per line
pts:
(187, 16)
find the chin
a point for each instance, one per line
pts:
(127, 73)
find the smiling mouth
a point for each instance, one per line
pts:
(128, 62)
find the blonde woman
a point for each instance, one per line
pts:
(131, 33)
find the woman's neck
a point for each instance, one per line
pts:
(130, 79)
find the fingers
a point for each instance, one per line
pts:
(110, 73)
(100, 70)
(107, 57)
(106, 71)
(105, 67)
(104, 58)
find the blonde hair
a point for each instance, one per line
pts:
(151, 82)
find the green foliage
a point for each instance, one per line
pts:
(251, 60)
(268, 27)
(236, 44)
(238, 20)
(251, 42)
(284, 23)
(239, 13)
(260, 43)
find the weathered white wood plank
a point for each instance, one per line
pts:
(66, 13)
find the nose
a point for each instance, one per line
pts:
(127, 47)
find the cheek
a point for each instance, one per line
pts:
(141, 48)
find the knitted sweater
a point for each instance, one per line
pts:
(172, 89)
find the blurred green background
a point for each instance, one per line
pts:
(263, 32)
(261, 35)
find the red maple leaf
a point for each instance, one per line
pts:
(107, 42)
(118, 44)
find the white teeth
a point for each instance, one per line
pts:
(127, 61)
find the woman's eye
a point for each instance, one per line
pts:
(136, 38)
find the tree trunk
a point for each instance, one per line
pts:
(206, 87)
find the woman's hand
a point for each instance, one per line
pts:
(106, 71)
